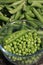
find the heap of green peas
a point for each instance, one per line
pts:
(23, 42)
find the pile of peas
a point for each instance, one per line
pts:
(23, 42)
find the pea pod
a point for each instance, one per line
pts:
(17, 9)
(38, 15)
(36, 4)
(30, 21)
(18, 14)
(18, 34)
(4, 18)
(16, 3)
(31, 1)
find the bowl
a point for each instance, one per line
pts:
(22, 60)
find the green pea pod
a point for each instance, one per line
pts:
(16, 35)
(28, 10)
(17, 9)
(40, 18)
(36, 4)
(18, 14)
(16, 3)
(9, 8)
(4, 18)
(30, 21)
(31, 1)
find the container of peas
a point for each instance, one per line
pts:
(19, 44)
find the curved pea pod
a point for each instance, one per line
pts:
(36, 4)
(9, 8)
(18, 14)
(15, 36)
(20, 33)
(16, 9)
(16, 3)
(31, 21)
(40, 18)
(4, 18)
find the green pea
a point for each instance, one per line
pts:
(19, 52)
(14, 43)
(11, 44)
(26, 36)
(12, 49)
(39, 41)
(21, 38)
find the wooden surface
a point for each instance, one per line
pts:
(3, 61)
